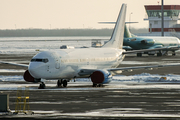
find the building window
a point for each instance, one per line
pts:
(155, 22)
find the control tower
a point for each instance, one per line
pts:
(171, 17)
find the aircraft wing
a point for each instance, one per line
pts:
(15, 64)
(88, 72)
(169, 47)
(155, 49)
(142, 67)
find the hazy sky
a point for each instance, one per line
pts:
(59, 14)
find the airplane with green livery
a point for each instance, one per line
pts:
(133, 42)
(150, 42)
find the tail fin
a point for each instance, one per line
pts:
(116, 40)
(127, 33)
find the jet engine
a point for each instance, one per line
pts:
(147, 42)
(144, 42)
(101, 77)
(29, 78)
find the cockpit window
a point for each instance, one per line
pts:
(39, 60)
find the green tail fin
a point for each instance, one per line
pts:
(127, 33)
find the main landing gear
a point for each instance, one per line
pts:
(159, 54)
(139, 54)
(59, 83)
(97, 85)
(173, 53)
(62, 82)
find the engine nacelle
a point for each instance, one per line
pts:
(29, 78)
(144, 42)
(101, 77)
(147, 42)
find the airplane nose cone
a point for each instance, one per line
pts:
(40, 65)
(34, 70)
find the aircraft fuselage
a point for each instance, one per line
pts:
(150, 42)
(67, 63)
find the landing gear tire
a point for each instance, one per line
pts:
(159, 54)
(100, 85)
(59, 82)
(139, 54)
(97, 85)
(151, 54)
(64, 83)
(166, 54)
(173, 53)
(94, 85)
(42, 86)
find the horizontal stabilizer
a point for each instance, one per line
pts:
(115, 22)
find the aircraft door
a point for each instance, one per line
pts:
(57, 61)
(57, 65)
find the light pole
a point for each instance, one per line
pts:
(162, 18)
(130, 19)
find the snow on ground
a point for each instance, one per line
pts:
(139, 81)
(29, 45)
(10, 70)
(11, 78)
(144, 77)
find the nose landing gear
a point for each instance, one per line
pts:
(42, 86)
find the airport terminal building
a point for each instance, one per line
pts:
(171, 17)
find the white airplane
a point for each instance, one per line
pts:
(96, 63)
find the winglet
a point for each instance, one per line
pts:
(116, 40)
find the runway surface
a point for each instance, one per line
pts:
(126, 99)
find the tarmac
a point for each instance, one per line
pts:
(113, 101)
